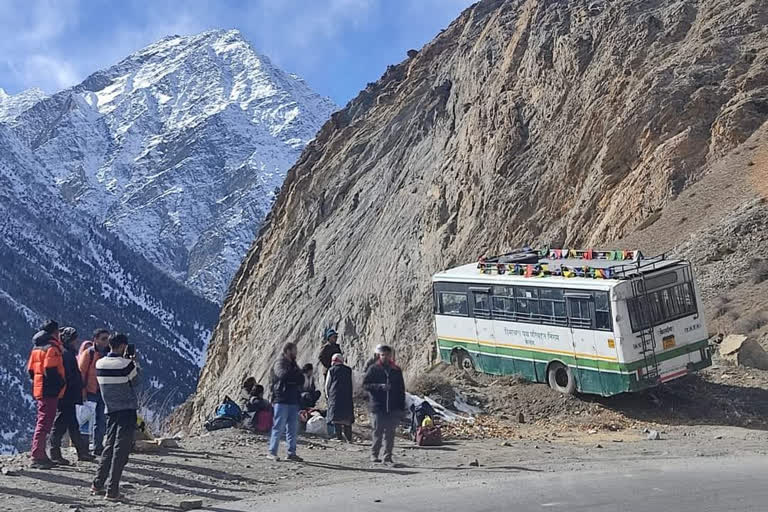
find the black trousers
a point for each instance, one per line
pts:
(66, 421)
(343, 431)
(121, 427)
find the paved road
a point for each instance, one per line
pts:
(690, 485)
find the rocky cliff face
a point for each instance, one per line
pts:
(524, 121)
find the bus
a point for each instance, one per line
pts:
(594, 322)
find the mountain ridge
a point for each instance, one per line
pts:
(124, 144)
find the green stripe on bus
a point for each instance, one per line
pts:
(581, 361)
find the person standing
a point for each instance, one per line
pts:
(118, 377)
(338, 390)
(90, 352)
(286, 380)
(46, 370)
(373, 360)
(66, 415)
(330, 347)
(384, 383)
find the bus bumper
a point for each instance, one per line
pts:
(669, 374)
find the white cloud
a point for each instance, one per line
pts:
(28, 48)
(51, 72)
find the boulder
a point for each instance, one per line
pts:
(190, 504)
(744, 351)
(167, 442)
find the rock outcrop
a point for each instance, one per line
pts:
(524, 121)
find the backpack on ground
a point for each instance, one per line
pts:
(429, 436)
(219, 423)
(418, 414)
(229, 409)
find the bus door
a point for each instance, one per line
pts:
(486, 359)
(581, 314)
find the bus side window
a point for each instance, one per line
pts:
(579, 313)
(526, 302)
(602, 311)
(455, 304)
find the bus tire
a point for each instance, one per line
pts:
(561, 378)
(462, 360)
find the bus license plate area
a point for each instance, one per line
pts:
(668, 342)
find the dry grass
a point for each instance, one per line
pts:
(759, 271)
(722, 305)
(750, 324)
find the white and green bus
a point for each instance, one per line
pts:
(599, 322)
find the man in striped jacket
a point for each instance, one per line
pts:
(118, 378)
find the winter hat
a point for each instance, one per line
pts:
(329, 333)
(337, 359)
(68, 334)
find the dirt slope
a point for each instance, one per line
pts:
(524, 121)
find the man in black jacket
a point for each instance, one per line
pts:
(341, 406)
(330, 347)
(384, 383)
(286, 379)
(66, 417)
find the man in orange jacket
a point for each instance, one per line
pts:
(46, 369)
(90, 353)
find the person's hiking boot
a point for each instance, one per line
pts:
(273, 458)
(113, 496)
(85, 457)
(42, 464)
(97, 491)
(97, 452)
(375, 458)
(388, 459)
(57, 458)
(295, 458)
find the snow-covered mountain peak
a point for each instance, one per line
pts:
(13, 105)
(178, 148)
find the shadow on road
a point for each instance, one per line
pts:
(42, 496)
(339, 467)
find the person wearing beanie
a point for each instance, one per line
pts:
(330, 347)
(66, 416)
(386, 388)
(338, 390)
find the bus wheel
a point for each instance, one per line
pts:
(462, 360)
(561, 378)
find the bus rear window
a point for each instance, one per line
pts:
(454, 304)
(662, 306)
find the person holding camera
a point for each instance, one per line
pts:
(386, 387)
(118, 376)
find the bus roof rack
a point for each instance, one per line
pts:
(596, 264)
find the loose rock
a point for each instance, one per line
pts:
(190, 504)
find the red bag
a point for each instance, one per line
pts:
(429, 436)
(263, 421)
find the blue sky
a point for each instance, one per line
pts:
(336, 45)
